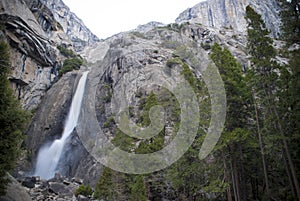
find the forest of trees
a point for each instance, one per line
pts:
(257, 156)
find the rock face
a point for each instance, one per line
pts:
(34, 56)
(15, 192)
(48, 124)
(133, 62)
(80, 35)
(231, 13)
(34, 31)
(48, 121)
(121, 66)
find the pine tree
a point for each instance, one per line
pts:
(232, 142)
(290, 96)
(191, 178)
(290, 16)
(12, 120)
(156, 143)
(137, 188)
(265, 83)
(104, 187)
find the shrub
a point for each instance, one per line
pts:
(84, 190)
(109, 122)
(172, 62)
(66, 52)
(71, 64)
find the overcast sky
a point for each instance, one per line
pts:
(108, 17)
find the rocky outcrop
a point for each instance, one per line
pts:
(57, 188)
(52, 28)
(80, 35)
(133, 62)
(83, 165)
(231, 14)
(15, 191)
(147, 27)
(34, 29)
(125, 64)
(48, 124)
(34, 58)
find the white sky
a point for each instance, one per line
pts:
(108, 17)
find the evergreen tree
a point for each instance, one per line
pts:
(290, 16)
(137, 188)
(290, 96)
(189, 176)
(265, 82)
(156, 143)
(104, 188)
(233, 140)
(12, 120)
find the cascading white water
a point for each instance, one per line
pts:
(49, 155)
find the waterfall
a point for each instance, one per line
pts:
(50, 154)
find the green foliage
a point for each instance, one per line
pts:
(12, 120)
(66, 52)
(150, 102)
(290, 16)
(176, 27)
(109, 122)
(73, 61)
(290, 84)
(237, 93)
(114, 185)
(107, 93)
(270, 86)
(85, 190)
(104, 188)
(71, 64)
(137, 188)
(173, 62)
(191, 78)
(234, 170)
(156, 143)
(123, 141)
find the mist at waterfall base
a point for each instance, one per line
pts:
(49, 154)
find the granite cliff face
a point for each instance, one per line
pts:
(34, 31)
(34, 57)
(79, 34)
(119, 65)
(48, 124)
(34, 35)
(231, 14)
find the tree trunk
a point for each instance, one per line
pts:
(236, 177)
(289, 158)
(261, 147)
(233, 180)
(243, 177)
(229, 196)
(269, 94)
(288, 173)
